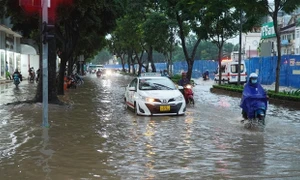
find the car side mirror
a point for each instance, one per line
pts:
(131, 89)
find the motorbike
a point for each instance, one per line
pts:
(188, 94)
(205, 76)
(16, 80)
(98, 73)
(32, 76)
(256, 107)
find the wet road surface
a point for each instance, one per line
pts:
(95, 137)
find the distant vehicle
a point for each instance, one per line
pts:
(95, 67)
(229, 70)
(107, 72)
(153, 94)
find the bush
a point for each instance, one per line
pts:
(175, 78)
(293, 95)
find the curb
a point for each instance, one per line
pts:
(5, 81)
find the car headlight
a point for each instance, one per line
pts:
(147, 99)
(179, 98)
(188, 86)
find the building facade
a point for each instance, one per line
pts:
(10, 50)
(17, 55)
(250, 43)
(289, 34)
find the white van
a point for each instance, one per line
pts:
(229, 71)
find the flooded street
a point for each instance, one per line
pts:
(95, 137)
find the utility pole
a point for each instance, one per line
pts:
(45, 4)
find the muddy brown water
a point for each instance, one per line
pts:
(95, 137)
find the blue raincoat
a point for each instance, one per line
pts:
(254, 97)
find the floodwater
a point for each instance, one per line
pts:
(95, 137)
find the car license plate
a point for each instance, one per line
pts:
(164, 108)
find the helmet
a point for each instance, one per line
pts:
(183, 74)
(253, 78)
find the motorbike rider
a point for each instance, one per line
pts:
(98, 73)
(184, 80)
(31, 72)
(251, 88)
(165, 73)
(17, 74)
(205, 75)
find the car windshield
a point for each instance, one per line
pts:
(156, 84)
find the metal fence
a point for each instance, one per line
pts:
(265, 67)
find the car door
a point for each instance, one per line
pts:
(131, 91)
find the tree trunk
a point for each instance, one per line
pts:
(129, 60)
(276, 28)
(122, 57)
(140, 68)
(189, 59)
(190, 68)
(52, 85)
(39, 92)
(78, 67)
(219, 63)
(150, 59)
(70, 66)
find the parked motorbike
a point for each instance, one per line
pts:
(188, 94)
(256, 111)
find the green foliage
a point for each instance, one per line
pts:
(234, 88)
(156, 31)
(102, 57)
(175, 78)
(293, 95)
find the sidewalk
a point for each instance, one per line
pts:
(3, 81)
(281, 88)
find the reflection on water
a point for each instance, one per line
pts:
(95, 137)
(252, 154)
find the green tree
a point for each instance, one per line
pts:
(115, 46)
(156, 35)
(83, 25)
(224, 19)
(75, 25)
(102, 57)
(188, 15)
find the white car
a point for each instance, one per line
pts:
(152, 95)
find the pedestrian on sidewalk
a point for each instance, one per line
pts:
(7, 74)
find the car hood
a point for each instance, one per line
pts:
(162, 94)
